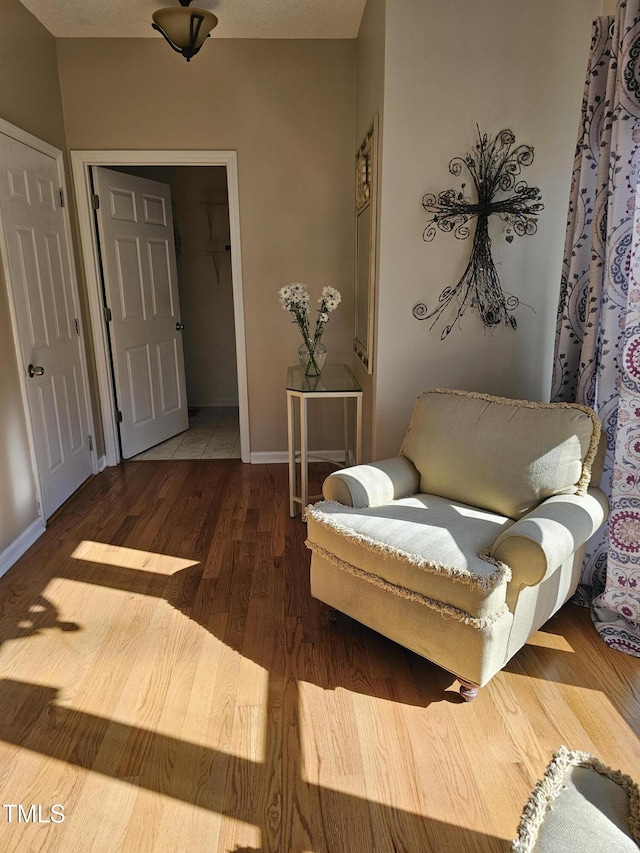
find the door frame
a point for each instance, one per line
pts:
(81, 162)
(25, 138)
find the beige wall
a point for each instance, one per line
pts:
(370, 47)
(29, 87)
(287, 107)
(29, 99)
(448, 65)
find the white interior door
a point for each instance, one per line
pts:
(45, 304)
(135, 227)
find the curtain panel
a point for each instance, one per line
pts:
(597, 350)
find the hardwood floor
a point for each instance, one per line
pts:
(166, 677)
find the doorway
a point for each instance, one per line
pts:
(225, 272)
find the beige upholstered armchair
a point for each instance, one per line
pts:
(462, 546)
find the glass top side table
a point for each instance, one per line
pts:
(336, 380)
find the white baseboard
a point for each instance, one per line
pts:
(269, 457)
(274, 457)
(18, 547)
(102, 463)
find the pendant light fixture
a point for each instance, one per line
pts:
(185, 29)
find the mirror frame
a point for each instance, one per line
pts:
(365, 247)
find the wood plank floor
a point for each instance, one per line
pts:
(166, 677)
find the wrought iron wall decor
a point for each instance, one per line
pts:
(494, 166)
(366, 228)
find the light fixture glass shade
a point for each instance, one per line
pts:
(185, 28)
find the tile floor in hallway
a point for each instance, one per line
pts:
(214, 433)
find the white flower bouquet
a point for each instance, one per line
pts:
(294, 298)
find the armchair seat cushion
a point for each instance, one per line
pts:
(424, 547)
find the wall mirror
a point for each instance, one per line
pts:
(366, 229)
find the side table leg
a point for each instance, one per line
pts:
(345, 415)
(304, 463)
(292, 455)
(358, 429)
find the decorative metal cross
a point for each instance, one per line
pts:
(493, 165)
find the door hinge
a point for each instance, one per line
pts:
(108, 317)
(95, 201)
(118, 416)
(61, 196)
(77, 326)
(90, 438)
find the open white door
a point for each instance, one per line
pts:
(44, 299)
(135, 227)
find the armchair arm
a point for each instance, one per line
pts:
(374, 484)
(544, 538)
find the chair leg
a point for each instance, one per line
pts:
(332, 614)
(468, 691)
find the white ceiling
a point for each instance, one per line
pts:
(272, 19)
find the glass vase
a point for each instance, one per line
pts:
(312, 360)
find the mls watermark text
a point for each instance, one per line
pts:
(33, 813)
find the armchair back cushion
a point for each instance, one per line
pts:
(502, 455)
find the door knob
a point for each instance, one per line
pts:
(35, 370)
(179, 327)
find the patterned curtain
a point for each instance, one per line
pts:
(597, 353)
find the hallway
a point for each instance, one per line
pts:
(214, 433)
